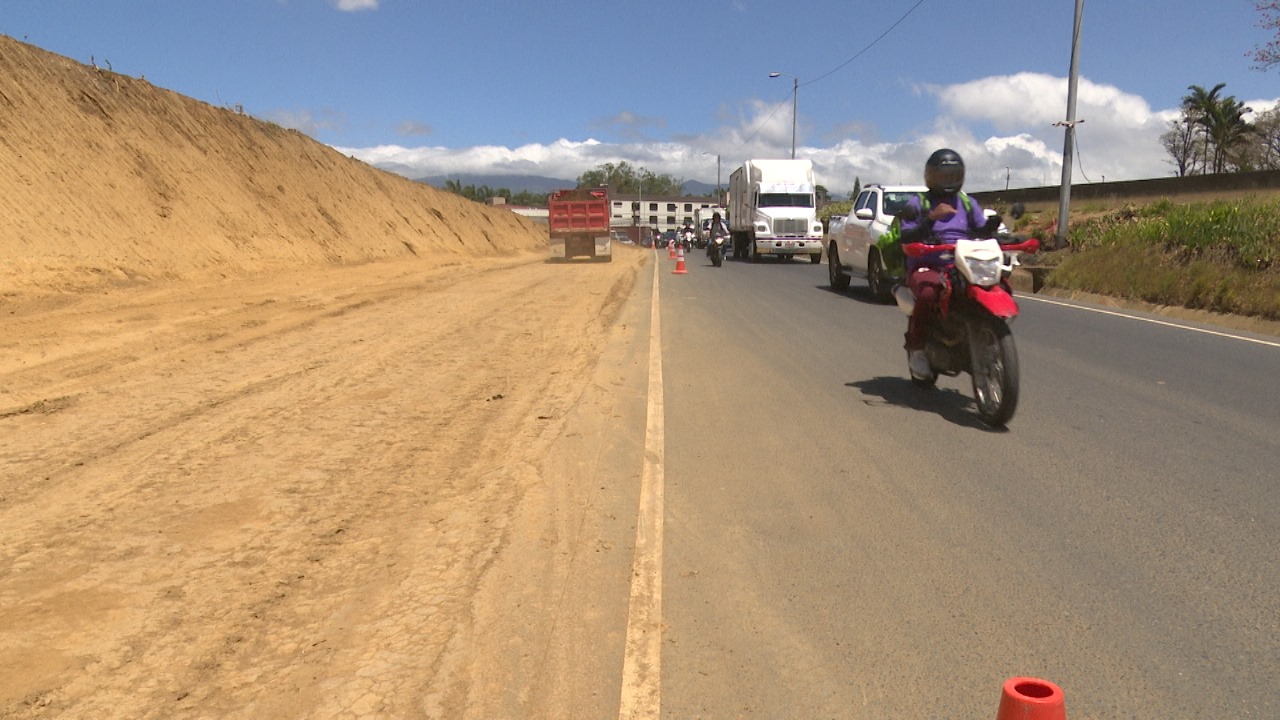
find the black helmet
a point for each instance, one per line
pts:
(944, 171)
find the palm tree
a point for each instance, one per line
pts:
(1197, 106)
(1227, 129)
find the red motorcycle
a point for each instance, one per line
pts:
(970, 331)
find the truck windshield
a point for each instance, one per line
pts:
(785, 200)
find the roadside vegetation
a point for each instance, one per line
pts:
(1218, 256)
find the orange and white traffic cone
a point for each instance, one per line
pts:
(1024, 698)
(680, 262)
(671, 251)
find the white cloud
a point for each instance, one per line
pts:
(356, 5)
(307, 121)
(1260, 106)
(1003, 126)
(410, 128)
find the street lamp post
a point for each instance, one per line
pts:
(795, 100)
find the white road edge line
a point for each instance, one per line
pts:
(1153, 321)
(642, 658)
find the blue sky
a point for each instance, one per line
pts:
(557, 87)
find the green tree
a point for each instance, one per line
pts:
(524, 197)
(836, 208)
(857, 188)
(623, 178)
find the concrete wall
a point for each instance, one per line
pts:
(1226, 185)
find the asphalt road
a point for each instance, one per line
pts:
(839, 543)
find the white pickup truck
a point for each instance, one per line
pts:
(852, 250)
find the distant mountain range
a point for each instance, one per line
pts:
(538, 183)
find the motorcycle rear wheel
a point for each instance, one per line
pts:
(994, 370)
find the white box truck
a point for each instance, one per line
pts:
(772, 210)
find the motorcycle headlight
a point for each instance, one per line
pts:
(984, 272)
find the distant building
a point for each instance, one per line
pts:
(536, 214)
(665, 212)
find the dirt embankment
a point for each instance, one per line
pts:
(105, 178)
(269, 416)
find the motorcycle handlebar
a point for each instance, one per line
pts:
(919, 249)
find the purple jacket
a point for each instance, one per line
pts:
(946, 230)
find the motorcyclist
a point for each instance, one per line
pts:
(717, 228)
(687, 235)
(941, 216)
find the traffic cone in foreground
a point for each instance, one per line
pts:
(1025, 698)
(680, 263)
(671, 251)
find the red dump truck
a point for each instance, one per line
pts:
(579, 222)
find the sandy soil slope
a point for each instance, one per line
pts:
(275, 497)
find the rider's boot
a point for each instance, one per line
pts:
(918, 362)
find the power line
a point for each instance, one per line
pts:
(868, 47)
(830, 72)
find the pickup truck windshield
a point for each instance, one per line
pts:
(785, 200)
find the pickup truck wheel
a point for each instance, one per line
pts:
(876, 280)
(839, 280)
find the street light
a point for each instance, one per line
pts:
(795, 99)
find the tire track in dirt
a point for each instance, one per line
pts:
(290, 519)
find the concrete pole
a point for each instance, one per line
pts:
(1068, 150)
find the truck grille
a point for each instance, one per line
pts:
(790, 227)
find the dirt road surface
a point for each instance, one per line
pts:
(279, 496)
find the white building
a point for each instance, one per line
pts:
(664, 212)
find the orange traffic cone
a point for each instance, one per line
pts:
(1025, 698)
(680, 263)
(671, 251)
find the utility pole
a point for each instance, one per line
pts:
(1064, 204)
(795, 100)
(717, 170)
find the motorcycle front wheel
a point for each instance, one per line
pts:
(715, 257)
(994, 370)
